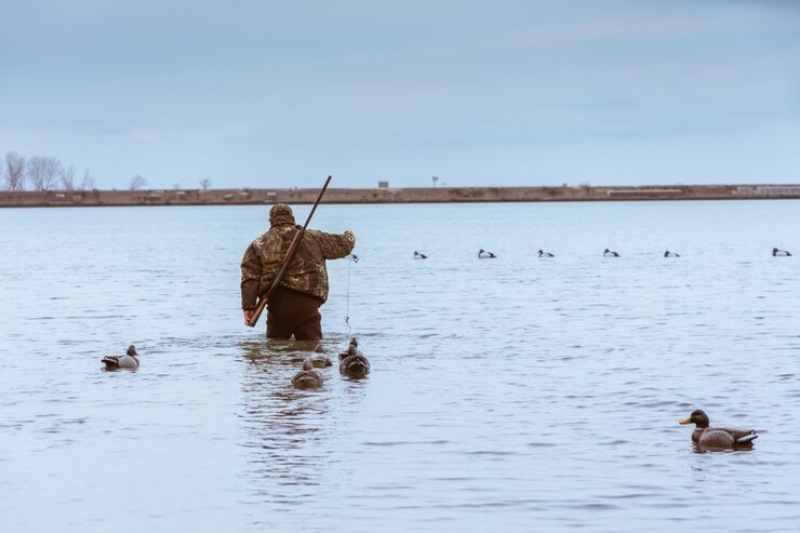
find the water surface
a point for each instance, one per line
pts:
(514, 394)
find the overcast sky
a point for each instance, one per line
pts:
(263, 93)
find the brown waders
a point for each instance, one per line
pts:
(292, 312)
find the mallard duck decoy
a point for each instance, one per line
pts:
(352, 362)
(418, 255)
(320, 348)
(320, 361)
(776, 252)
(129, 361)
(545, 254)
(609, 253)
(718, 437)
(483, 254)
(671, 254)
(307, 378)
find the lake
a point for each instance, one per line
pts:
(510, 394)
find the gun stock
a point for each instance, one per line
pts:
(287, 259)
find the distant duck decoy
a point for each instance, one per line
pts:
(609, 253)
(352, 362)
(780, 253)
(718, 437)
(418, 255)
(307, 378)
(545, 254)
(129, 361)
(483, 254)
(671, 254)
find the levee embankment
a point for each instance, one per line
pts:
(393, 195)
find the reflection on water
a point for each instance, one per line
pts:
(516, 394)
(285, 428)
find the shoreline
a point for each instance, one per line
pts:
(387, 195)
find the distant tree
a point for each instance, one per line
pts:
(43, 171)
(205, 183)
(435, 179)
(13, 172)
(138, 182)
(68, 178)
(88, 181)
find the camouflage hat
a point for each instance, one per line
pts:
(281, 213)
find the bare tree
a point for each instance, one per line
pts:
(43, 171)
(88, 181)
(138, 182)
(205, 183)
(435, 179)
(68, 179)
(14, 171)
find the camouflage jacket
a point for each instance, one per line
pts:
(306, 273)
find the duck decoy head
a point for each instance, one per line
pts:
(698, 417)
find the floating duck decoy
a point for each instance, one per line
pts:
(307, 378)
(671, 254)
(320, 348)
(780, 253)
(609, 253)
(718, 437)
(483, 254)
(320, 361)
(418, 255)
(129, 361)
(545, 254)
(352, 363)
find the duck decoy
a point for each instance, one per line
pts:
(307, 378)
(609, 253)
(780, 253)
(129, 361)
(320, 361)
(671, 254)
(483, 254)
(418, 255)
(545, 254)
(352, 362)
(718, 437)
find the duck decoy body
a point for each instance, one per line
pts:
(320, 361)
(671, 254)
(780, 253)
(483, 254)
(609, 253)
(545, 254)
(352, 362)
(307, 378)
(718, 437)
(129, 361)
(418, 255)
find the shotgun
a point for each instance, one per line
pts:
(287, 259)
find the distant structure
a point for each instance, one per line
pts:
(383, 184)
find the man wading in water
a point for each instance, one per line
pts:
(293, 307)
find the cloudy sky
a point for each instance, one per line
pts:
(263, 93)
